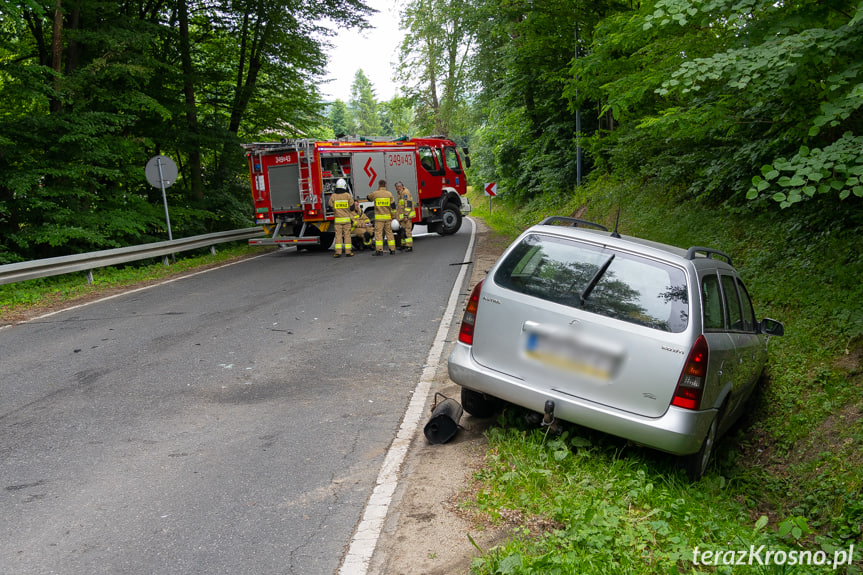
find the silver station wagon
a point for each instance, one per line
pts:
(641, 340)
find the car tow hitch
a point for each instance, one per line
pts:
(548, 418)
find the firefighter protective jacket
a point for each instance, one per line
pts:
(383, 200)
(360, 224)
(405, 205)
(343, 204)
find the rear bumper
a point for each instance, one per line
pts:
(677, 431)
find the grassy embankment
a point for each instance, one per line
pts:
(18, 299)
(788, 477)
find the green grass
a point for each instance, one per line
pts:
(587, 503)
(19, 297)
(796, 459)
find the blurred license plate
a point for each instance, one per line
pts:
(571, 354)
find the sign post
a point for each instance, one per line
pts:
(161, 172)
(490, 191)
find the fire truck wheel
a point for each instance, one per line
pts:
(451, 220)
(327, 239)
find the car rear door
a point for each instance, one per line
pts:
(748, 344)
(722, 356)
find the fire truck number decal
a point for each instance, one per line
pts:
(285, 159)
(370, 172)
(401, 159)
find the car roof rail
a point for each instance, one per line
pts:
(692, 252)
(574, 222)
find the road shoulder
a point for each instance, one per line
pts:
(425, 531)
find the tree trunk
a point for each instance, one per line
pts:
(56, 105)
(73, 49)
(189, 93)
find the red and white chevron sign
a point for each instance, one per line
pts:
(491, 189)
(370, 172)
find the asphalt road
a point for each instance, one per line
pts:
(229, 422)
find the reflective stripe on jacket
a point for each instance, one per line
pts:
(342, 203)
(383, 200)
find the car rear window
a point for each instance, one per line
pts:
(631, 288)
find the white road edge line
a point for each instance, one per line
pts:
(110, 297)
(365, 539)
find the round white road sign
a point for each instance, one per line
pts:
(161, 171)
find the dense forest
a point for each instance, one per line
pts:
(90, 90)
(745, 103)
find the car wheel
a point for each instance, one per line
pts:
(696, 464)
(478, 404)
(451, 219)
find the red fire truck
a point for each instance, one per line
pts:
(293, 179)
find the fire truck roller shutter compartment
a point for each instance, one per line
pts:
(401, 167)
(368, 168)
(284, 187)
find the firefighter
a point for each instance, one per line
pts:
(342, 202)
(405, 214)
(362, 230)
(384, 201)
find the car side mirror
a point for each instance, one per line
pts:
(466, 157)
(771, 327)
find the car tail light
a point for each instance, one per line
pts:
(465, 334)
(691, 382)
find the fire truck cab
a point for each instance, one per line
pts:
(292, 180)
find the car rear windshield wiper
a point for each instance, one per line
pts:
(594, 280)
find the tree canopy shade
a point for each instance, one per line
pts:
(747, 102)
(744, 102)
(753, 99)
(527, 138)
(91, 89)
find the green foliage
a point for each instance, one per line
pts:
(836, 168)
(706, 93)
(398, 117)
(599, 507)
(527, 136)
(132, 81)
(340, 119)
(364, 106)
(434, 63)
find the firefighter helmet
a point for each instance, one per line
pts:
(394, 224)
(341, 184)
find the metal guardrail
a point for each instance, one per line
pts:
(43, 268)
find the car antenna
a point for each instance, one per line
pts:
(615, 233)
